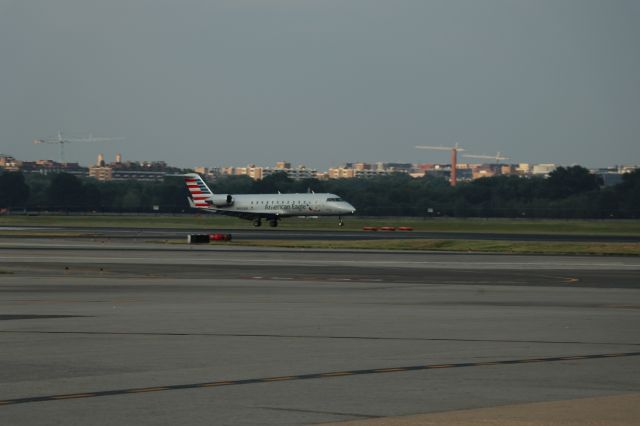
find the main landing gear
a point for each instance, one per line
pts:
(272, 222)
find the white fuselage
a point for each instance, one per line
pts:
(283, 205)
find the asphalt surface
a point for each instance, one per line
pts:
(287, 234)
(616, 410)
(131, 334)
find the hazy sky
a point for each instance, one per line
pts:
(233, 82)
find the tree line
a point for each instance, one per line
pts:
(571, 192)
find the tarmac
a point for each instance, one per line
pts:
(135, 333)
(603, 411)
(293, 234)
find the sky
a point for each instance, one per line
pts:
(322, 82)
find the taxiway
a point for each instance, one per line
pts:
(140, 334)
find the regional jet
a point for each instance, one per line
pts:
(271, 207)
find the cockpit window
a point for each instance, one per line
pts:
(334, 199)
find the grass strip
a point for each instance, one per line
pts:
(216, 222)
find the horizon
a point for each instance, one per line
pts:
(109, 161)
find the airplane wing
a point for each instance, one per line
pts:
(239, 214)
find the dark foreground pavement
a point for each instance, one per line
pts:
(301, 337)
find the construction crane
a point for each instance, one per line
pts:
(496, 157)
(454, 158)
(62, 141)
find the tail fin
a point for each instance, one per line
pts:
(199, 190)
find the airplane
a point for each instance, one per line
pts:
(271, 207)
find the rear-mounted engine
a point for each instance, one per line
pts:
(222, 200)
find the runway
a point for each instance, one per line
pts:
(134, 333)
(292, 234)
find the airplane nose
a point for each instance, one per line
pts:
(345, 208)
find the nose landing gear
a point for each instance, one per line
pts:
(340, 222)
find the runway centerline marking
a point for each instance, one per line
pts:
(289, 378)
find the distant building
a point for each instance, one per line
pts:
(130, 170)
(101, 173)
(362, 166)
(507, 169)
(207, 173)
(46, 167)
(367, 170)
(253, 171)
(627, 169)
(464, 166)
(395, 167)
(424, 167)
(543, 169)
(283, 165)
(357, 170)
(141, 175)
(485, 170)
(524, 169)
(341, 173)
(258, 173)
(465, 171)
(610, 175)
(297, 173)
(9, 163)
